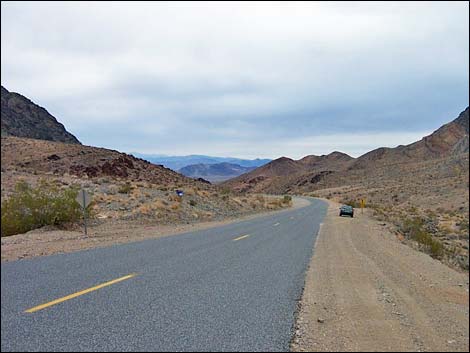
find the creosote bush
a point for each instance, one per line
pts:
(287, 199)
(415, 229)
(30, 208)
(125, 188)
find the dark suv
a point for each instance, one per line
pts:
(346, 210)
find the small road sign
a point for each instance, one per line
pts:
(84, 199)
(363, 204)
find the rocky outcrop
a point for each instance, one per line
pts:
(23, 118)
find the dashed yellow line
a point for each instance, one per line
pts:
(242, 237)
(77, 294)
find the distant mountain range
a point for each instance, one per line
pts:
(214, 172)
(23, 118)
(178, 162)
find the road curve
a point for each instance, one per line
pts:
(230, 288)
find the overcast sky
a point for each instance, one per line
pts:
(240, 79)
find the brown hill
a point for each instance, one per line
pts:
(285, 175)
(124, 188)
(23, 118)
(333, 161)
(56, 158)
(445, 141)
(276, 176)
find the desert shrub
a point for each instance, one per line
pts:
(225, 191)
(276, 203)
(30, 208)
(436, 249)
(192, 203)
(415, 229)
(463, 225)
(287, 199)
(125, 188)
(260, 198)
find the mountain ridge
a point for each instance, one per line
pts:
(178, 162)
(21, 117)
(214, 172)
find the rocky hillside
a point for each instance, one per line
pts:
(124, 187)
(277, 174)
(23, 118)
(214, 172)
(450, 139)
(283, 175)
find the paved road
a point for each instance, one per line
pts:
(231, 288)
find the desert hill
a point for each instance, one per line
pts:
(442, 143)
(23, 118)
(287, 175)
(277, 174)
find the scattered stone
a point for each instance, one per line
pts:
(320, 320)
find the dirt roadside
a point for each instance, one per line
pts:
(366, 291)
(42, 242)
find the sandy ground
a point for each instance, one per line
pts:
(42, 242)
(366, 291)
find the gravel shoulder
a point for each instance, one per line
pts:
(43, 242)
(366, 291)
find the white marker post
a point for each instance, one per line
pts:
(84, 199)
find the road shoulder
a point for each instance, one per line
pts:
(366, 291)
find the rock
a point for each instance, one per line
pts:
(320, 320)
(53, 157)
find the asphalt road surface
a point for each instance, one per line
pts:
(230, 288)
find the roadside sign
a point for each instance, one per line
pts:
(84, 199)
(363, 204)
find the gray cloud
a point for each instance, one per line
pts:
(240, 79)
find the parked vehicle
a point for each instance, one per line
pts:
(346, 210)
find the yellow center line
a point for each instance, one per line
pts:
(275, 225)
(77, 294)
(242, 237)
